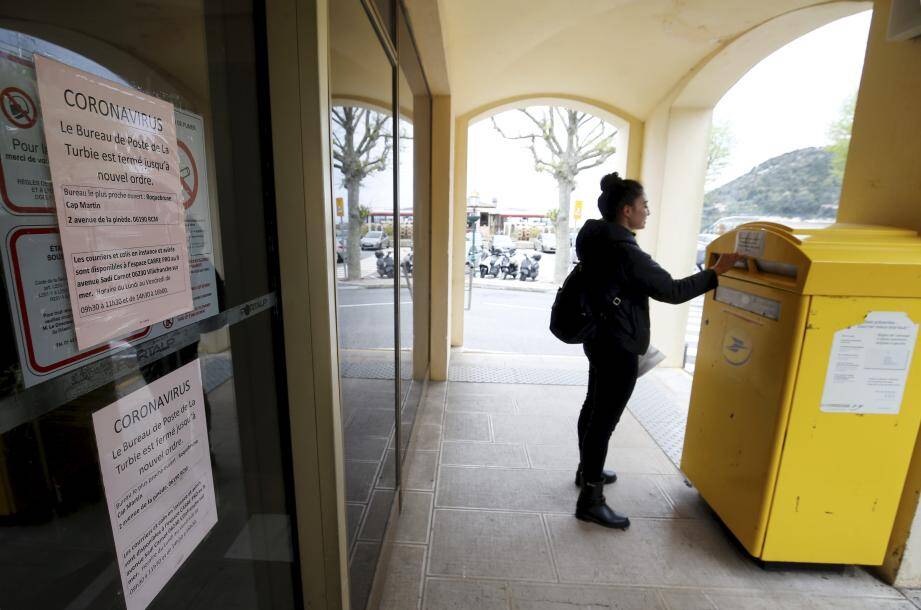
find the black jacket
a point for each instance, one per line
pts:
(617, 267)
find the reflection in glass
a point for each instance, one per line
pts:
(414, 171)
(56, 546)
(362, 144)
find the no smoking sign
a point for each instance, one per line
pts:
(188, 175)
(18, 107)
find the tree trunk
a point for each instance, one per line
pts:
(353, 249)
(561, 268)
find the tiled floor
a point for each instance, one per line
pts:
(488, 523)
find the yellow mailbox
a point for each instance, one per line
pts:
(806, 399)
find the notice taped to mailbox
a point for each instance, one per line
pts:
(869, 363)
(115, 170)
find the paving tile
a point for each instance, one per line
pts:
(546, 430)
(387, 477)
(564, 401)
(652, 552)
(368, 393)
(420, 471)
(432, 413)
(483, 454)
(458, 389)
(491, 544)
(687, 501)
(849, 581)
(402, 588)
(442, 594)
(506, 489)
(371, 422)
(366, 448)
(361, 572)
(629, 433)
(353, 518)
(359, 478)
(774, 601)
(412, 523)
(532, 596)
(378, 513)
(635, 460)
(428, 437)
(481, 404)
(683, 599)
(466, 427)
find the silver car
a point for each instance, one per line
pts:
(375, 240)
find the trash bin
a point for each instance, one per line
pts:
(806, 399)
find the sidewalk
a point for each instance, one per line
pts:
(487, 518)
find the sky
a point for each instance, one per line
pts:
(785, 102)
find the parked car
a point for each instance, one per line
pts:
(375, 240)
(503, 243)
(545, 242)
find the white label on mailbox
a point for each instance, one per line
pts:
(750, 243)
(869, 363)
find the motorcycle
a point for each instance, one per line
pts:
(489, 264)
(384, 264)
(530, 268)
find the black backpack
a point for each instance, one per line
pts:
(571, 319)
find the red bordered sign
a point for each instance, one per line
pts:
(15, 262)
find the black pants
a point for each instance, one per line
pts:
(611, 378)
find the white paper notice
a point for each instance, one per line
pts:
(115, 169)
(869, 365)
(750, 243)
(156, 469)
(37, 280)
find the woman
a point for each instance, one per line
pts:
(622, 279)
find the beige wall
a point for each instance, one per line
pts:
(882, 185)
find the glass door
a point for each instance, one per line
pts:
(206, 520)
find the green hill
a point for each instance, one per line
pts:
(797, 184)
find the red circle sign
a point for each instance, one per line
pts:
(190, 191)
(18, 107)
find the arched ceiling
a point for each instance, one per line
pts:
(627, 53)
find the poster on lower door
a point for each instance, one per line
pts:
(869, 363)
(36, 280)
(156, 469)
(115, 170)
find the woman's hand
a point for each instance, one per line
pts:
(727, 261)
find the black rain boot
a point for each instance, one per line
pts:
(608, 476)
(592, 507)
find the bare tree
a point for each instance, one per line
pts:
(719, 150)
(362, 143)
(563, 143)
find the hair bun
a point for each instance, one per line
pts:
(611, 181)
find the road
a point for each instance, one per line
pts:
(513, 321)
(500, 320)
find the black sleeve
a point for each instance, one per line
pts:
(656, 283)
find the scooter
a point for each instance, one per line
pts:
(407, 263)
(509, 267)
(489, 264)
(384, 264)
(530, 268)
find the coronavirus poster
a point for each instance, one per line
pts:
(114, 163)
